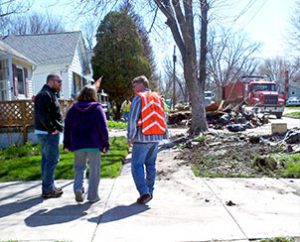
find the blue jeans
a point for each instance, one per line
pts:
(144, 156)
(81, 159)
(126, 116)
(50, 158)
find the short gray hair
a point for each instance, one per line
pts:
(141, 79)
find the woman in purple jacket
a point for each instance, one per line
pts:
(86, 134)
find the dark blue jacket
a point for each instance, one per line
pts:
(86, 127)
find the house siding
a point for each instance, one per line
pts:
(40, 77)
(294, 91)
(77, 67)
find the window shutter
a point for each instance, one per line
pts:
(15, 80)
(26, 82)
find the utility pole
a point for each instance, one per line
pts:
(174, 78)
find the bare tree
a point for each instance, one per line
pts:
(180, 19)
(34, 23)
(9, 7)
(181, 91)
(294, 36)
(230, 55)
(275, 70)
(89, 31)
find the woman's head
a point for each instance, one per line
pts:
(87, 94)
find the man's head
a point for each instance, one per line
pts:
(54, 81)
(139, 84)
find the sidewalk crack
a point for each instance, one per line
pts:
(227, 210)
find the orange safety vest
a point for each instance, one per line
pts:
(152, 118)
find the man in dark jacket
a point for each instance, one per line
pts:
(48, 123)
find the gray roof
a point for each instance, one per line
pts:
(46, 49)
(7, 49)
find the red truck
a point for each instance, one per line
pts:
(257, 92)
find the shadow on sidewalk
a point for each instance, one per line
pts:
(20, 192)
(64, 214)
(119, 212)
(16, 207)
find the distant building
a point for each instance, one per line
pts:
(294, 89)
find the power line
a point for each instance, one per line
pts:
(251, 19)
(245, 9)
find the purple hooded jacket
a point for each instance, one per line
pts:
(86, 127)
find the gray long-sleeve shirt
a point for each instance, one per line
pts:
(134, 133)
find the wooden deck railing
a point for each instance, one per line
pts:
(20, 114)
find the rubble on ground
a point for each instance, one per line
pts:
(219, 116)
(223, 154)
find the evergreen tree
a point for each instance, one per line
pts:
(118, 57)
(147, 47)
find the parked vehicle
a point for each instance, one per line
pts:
(257, 92)
(103, 99)
(209, 98)
(293, 101)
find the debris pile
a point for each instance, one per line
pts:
(223, 154)
(219, 116)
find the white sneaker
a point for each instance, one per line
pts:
(78, 196)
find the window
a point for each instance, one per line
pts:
(264, 87)
(3, 79)
(21, 80)
(77, 85)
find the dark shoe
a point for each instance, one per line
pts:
(52, 194)
(144, 199)
(79, 196)
(59, 190)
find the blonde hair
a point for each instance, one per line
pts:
(141, 79)
(87, 94)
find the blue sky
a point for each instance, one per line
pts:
(265, 21)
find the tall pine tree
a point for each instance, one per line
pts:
(119, 56)
(143, 34)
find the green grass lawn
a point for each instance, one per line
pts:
(293, 114)
(292, 165)
(116, 125)
(23, 162)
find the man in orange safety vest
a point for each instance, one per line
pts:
(146, 127)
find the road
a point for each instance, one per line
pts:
(266, 129)
(262, 130)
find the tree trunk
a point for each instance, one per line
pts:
(202, 62)
(198, 123)
(180, 20)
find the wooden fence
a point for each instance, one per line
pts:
(20, 114)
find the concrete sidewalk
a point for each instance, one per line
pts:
(183, 209)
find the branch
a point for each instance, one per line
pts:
(171, 22)
(154, 18)
(180, 18)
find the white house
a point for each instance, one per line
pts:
(16, 73)
(63, 53)
(294, 89)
